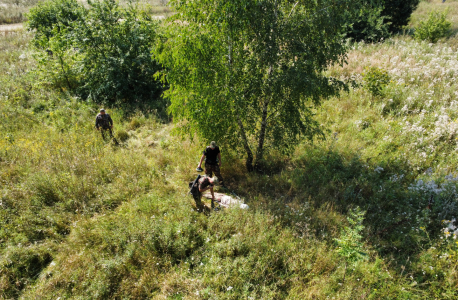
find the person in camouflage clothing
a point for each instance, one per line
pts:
(103, 122)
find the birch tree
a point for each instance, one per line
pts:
(248, 73)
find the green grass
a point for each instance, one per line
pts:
(81, 218)
(14, 11)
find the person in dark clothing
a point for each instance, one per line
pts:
(203, 184)
(103, 122)
(212, 156)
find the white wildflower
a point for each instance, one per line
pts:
(378, 170)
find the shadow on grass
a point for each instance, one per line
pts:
(329, 183)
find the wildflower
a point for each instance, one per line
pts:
(229, 288)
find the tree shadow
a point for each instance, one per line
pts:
(329, 183)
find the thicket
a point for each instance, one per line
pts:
(102, 52)
(377, 20)
(398, 13)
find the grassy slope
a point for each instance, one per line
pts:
(13, 11)
(84, 219)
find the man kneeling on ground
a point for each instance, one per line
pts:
(203, 184)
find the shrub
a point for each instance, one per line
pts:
(376, 79)
(398, 12)
(434, 28)
(349, 243)
(367, 25)
(122, 135)
(135, 123)
(52, 17)
(108, 62)
(377, 19)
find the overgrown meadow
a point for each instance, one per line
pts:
(366, 213)
(14, 11)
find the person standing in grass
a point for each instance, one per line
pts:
(103, 122)
(212, 156)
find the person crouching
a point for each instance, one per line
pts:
(205, 183)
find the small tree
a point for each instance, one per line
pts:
(101, 52)
(49, 18)
(435, 27)
(249, 72)
(349, 244)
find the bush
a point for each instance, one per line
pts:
(376, 79)
(122, 135)
(376, 20)
(50, 18)
(135, 123)
(367, 25)
(398, 12)
(108, 62)
(434, 28)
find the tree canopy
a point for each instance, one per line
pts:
(102, 51)
(248, 73)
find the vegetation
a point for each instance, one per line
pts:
(368, 24)
(81, 218)
(15, 11)
(398, 12)
(108, 62)
(248, 73)
(378, 19)
(435, 27)
(375, 80)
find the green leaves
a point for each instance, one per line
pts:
(247, 73)
(376, 79)
(102, 52)
(349, 244)
(435, 27)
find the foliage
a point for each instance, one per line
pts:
(82, 219)
(368, 24)
(376, 80)
(248, 73)
(435, 27)
(108, 62)
(50, 18)
(398, 12)
(122, 136)
(377, 20)
(349, 243)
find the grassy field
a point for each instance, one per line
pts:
(84, 219)
(13, 11)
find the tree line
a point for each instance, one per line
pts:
(247, 73)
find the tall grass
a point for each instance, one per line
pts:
(15, 11)
(83, 218)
